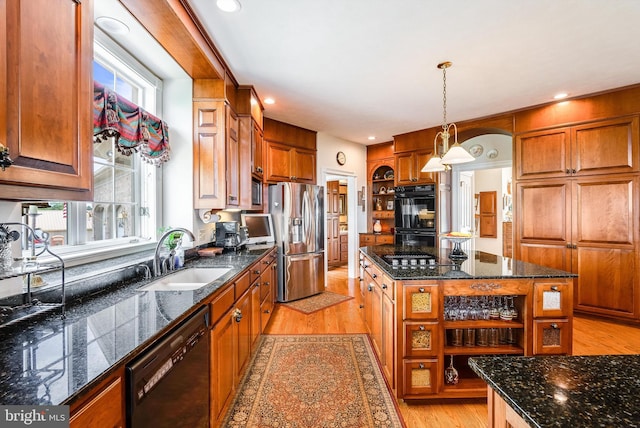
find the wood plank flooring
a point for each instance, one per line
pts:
(590, 337)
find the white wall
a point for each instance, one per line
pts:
(355, 170)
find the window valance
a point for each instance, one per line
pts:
(134, 129)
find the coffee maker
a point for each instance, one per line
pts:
(229, 234)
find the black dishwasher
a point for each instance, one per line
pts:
(168, 385)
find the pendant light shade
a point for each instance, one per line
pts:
(456, 153)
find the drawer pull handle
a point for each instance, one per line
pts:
(421, 328)
(384, 286)
(421, 290)
(420, 366)
(266, 283)
(256, 272)
(370, 287)
(554, 326)
(237, 314)
(267, 311)
(374, 276)
(554, 288)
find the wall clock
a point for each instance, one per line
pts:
(341, 158)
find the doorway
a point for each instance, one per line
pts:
(490, 172)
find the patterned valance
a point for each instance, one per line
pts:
(134, 129)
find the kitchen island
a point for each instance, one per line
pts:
(561, 391)
(427, 314)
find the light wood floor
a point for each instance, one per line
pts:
(590, 337)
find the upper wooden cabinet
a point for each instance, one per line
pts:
(603, 147)
(233, 158)
(409, 166)
(46, 93)
(290, 153)
(209, 179)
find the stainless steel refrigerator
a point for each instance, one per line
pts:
(298, 219)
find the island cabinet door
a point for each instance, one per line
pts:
(420, 378)
(552, 299)
(421, 339)
(421, 302)
(551, 337)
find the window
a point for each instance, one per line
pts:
(125, 201)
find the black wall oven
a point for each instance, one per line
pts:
(415, 215)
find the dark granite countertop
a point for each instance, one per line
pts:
(50, 360)
(478, 265)
(567, 391)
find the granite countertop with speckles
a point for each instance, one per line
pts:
(567, 391)
(50, 360)
(478, 265)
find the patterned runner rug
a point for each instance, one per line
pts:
(313, 381)
(317, 302)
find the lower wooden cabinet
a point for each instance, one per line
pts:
(104, 410)
(223, 344)
(420, 378)
(367, 239)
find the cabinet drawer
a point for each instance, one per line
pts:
(551, 337)
(366, 240)
(420, 377)
(242, 284)
(388, 287)
(552, 299)
(255, 271)
(421, 339)
(222, 303)
(420, 301)
(265, 286)
(384, 239)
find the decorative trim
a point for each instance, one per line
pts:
(485, 286)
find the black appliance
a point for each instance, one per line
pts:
(415, 215)
(168, 386)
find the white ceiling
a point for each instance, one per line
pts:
(354, 68)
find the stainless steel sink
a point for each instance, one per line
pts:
(186, 280)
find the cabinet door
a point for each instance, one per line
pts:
(605, 147)
(421, 339)
(404, 169)
(551, 336)
(420, 378)
(387, 357)
(256, 327)
(542, 154)
(605, 253)
(257, 167)
(233, 158)
(420, 160)
(279, 159)
(552, 299)
(421, 301)
(209, 178)
(222, 364)
(105, 410)
(305, 166)
(543, 233)
(242, 319)
(47, 96)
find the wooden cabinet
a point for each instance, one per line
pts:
(286, 163)
(507, 239)
(380, 182)
(379, 315)
(553, 322)
(332, 202)
(603, 147)
(488, 205)
(408, 168)
(223, 364)
(344, 248)
(209, 154)
(104, 409)
(46, 122)
(233, 158)
(290, 153)
(587, 226)
(257, 160)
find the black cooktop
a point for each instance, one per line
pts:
(409, 258)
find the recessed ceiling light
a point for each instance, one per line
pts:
(371, 138)
(269, 100)
(228, 5)
(560, 96)
(112, 25)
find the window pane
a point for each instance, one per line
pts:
(125, 89)
(51, 218)
(102, 183)
(124, 185)
(104, 150)
(103, 222)
(124, 160)
(102, 75)
(125, 221)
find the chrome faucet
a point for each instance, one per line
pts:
(157, 267)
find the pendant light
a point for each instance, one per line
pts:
(456, 153)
